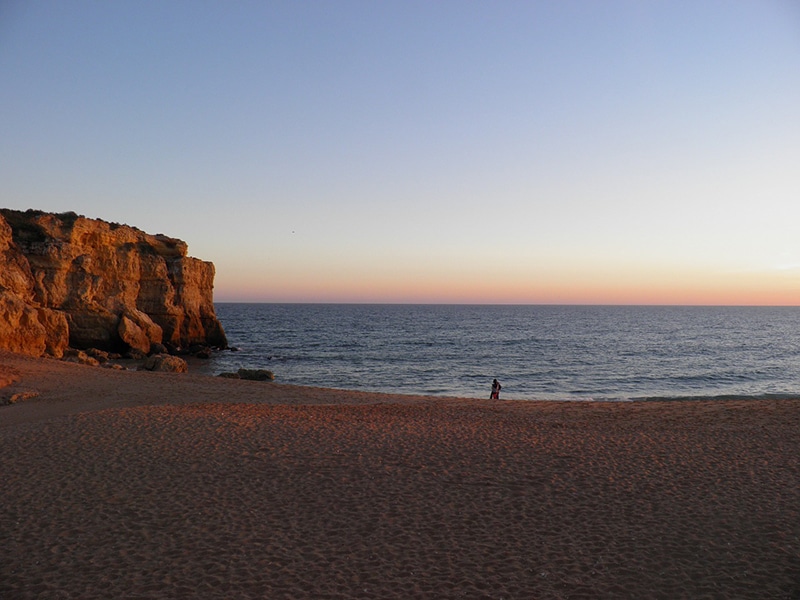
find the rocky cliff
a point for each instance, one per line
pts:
(66, 280)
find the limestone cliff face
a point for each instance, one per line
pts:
(68, 280)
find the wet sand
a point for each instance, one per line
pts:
(149, 485)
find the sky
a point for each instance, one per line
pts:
(527, 152)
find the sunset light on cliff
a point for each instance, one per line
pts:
(415, 152)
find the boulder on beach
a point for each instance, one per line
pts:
(165, 363)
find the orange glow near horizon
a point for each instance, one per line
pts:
(665, 288)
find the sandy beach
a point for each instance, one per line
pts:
(121, 484)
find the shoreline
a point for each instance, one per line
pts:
(60, 387)
(152, 485)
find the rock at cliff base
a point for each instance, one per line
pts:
(80, 357)
(159, 349)
(20, 329)
(100, 356)
(133, 335)
(56, 328)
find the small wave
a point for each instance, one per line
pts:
(714, 378)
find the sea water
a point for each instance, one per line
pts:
(537, 352)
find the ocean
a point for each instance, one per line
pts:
(614, 353)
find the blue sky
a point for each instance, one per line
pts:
(566, 152)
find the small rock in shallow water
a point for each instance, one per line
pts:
(256, 374)
(165, 363)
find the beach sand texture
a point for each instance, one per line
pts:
(148, 485)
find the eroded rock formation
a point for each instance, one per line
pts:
(66, 280)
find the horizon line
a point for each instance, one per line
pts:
(577, 304)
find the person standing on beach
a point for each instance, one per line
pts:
(496, 387)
